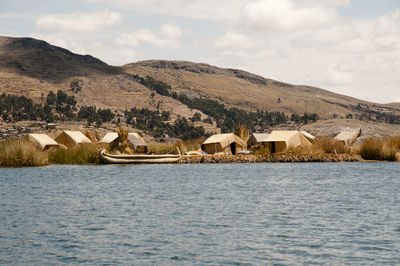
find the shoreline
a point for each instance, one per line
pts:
(271, 158)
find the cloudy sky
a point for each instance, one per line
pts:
(346, 46)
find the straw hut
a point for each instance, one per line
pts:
(109, 137)
(310, 137)
(72, 138)
(135, 141)
(279, 141)
(226, 143)
(348, 136)
(256, 138)
(42, 141)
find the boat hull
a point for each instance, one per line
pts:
(137, 159)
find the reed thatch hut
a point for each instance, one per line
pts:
(227, 143)
(348, 136)
(72, 138)
(256, 138)
(42, 141)
(135, 141)
(279, 141)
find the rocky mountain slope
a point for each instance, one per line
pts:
(33, 67)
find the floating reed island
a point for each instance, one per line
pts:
(270, 158)
(74, 147)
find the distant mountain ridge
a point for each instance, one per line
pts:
(33, 67)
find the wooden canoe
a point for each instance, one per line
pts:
(136, 159)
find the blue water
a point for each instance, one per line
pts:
(327, 213)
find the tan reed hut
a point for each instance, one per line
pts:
(279, 141)
(256, 138)
(348, 136)
(72, 138)
(227, 143)
(309, 136)
(135, 141)
(42, 141)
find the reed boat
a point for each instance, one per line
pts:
(137, 159)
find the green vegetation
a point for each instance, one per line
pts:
(81, 154)
(226, 118)
(21, 153)
(19, 108)
(58, 106)
(100, 116)
(157, 124)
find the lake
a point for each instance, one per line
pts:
(321, 213)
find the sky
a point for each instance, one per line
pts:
(351, 47)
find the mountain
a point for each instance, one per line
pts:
(247, 91)
(33, 67)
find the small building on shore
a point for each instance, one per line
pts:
(348, 136)
(42, 141)
(135, 142)
(72, 138)
(226, 143)
(279, 141)
(256, 138)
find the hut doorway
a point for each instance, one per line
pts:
(233, 148)
(273, 147)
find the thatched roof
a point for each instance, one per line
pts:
(72, 138)
(134, 138)
(308, 135)
(291, 138)
(225, 140)
(348, 136)
(109, 137)
(42, 140)
(259, 137)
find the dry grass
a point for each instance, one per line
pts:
(81, 154)
(162, 148)
(172, 148)
(260, 149)
(330, 145)
(379, 150)
(94, 136)
(305, 150)
(21, 153)
(190, 145)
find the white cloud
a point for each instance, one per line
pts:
(283, 16)
(297, 41)
(169, 34)
(326, 3)
(197, 9)
(308, 42)
(78, 22)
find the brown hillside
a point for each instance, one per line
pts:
(38, 59)
(248, 91)
(33, 67)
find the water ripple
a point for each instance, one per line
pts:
(228, 214)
